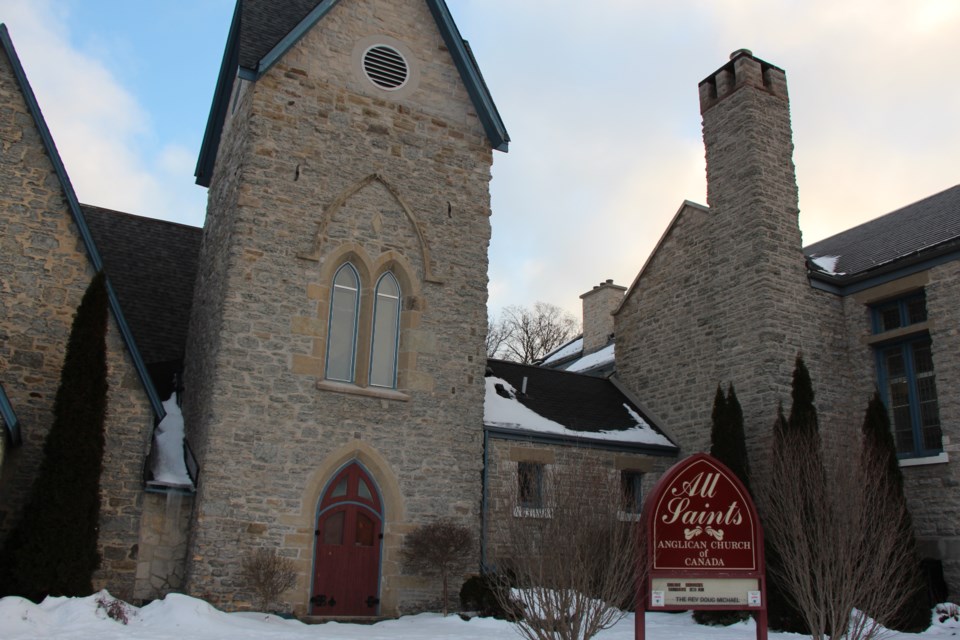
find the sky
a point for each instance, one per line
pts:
(599, 98)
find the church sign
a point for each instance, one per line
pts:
(704, 544)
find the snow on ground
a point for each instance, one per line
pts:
(180, 617)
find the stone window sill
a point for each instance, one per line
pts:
(367, 392)
(532, 512)
(916, 462)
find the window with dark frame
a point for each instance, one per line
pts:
(631, 490)
(906, 376)
(530, 485)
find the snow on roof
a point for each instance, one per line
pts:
(500, 411)
(170, 467)
(573, 347)
(827, 263)
(593, 360)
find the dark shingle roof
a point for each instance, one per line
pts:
(264, 23)
(151, 265)
(579, 402)
(920, 227)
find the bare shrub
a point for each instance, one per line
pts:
(115, 609)
(439, 547)
(842, 558)
(268, 574)
(573, 561)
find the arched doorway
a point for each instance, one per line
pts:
(346, 578)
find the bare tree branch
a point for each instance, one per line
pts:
(526, 335)
(573, 561)
(842, 555)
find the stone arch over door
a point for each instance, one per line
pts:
(393, 514)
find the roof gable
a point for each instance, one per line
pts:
(77, 214)
(687, 205)
(262, 31)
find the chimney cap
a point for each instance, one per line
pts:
(741, 52)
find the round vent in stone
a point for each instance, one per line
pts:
(385, 67)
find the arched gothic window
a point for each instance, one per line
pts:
(386, 332)
(342, 335)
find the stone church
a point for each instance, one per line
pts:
(323, 334)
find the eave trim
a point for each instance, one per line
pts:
(506, 433)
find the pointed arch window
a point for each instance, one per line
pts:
(342, 336)
(386, 332)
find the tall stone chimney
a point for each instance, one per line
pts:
(751, 179)
(598, 305)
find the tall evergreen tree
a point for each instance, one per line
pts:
(879, 451)
(53, 549)
(728, 445)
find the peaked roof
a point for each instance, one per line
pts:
(152, 265)
(78, 218)
(263, 30)
(922, 230)
(586, 405)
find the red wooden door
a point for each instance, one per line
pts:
(347, 566)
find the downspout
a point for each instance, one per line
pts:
(483, 505)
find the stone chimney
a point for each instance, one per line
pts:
(749, 147)
(598, 306)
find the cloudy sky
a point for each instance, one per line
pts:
(600, 100)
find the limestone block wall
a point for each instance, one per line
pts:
(43, 273)
(326, 169)
(503, 457)
(161, 560)
(129, 430)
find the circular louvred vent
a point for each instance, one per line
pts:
(385, 67)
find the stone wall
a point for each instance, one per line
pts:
(318, 166)
(44, 271)
(504, 456)
(163, 545)
(128, 430)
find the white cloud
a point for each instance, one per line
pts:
(97, 124)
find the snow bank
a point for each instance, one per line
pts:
(179, 617)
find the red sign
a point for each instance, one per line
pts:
(704, 544)
(703, 521)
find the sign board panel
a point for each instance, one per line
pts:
(702, 521)
(704, 544)
(691, 592)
